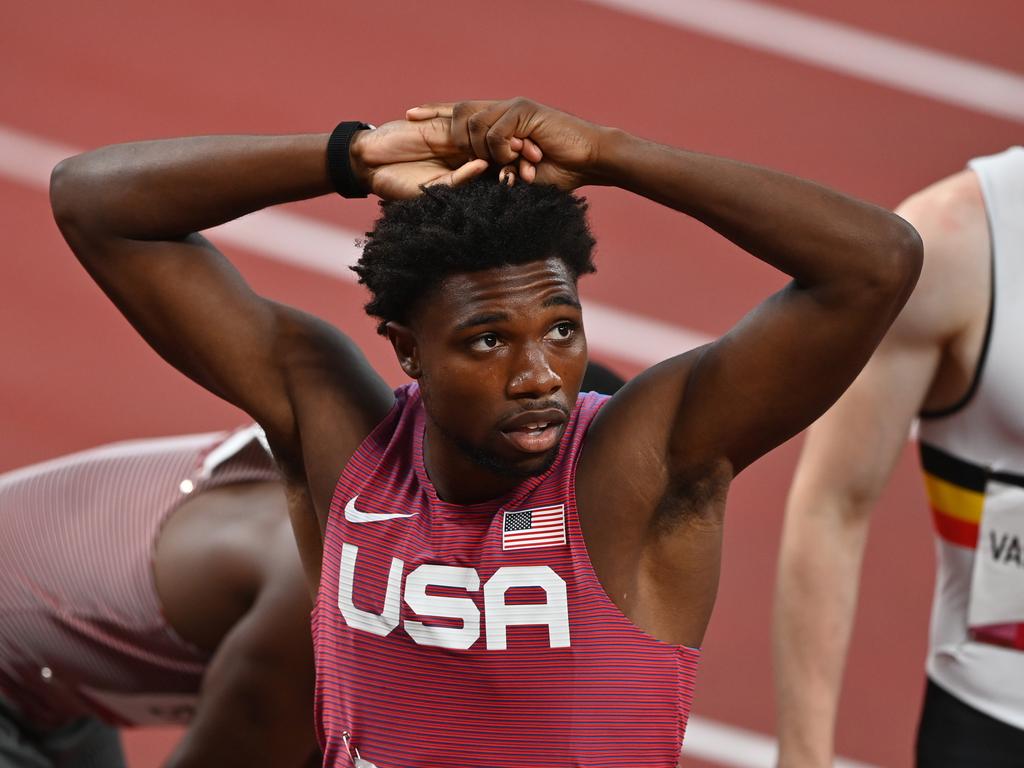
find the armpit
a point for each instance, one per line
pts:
(698, 498)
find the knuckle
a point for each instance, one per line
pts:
(498, 145)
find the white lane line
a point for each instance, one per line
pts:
(309, 244)
(28, 159)
(329, 250)
(737, 747)
(843, 48)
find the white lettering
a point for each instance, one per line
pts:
(554, 612)
(499, 615)
(379, 624)
(463, 608)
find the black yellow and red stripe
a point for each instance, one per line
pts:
(956, 493)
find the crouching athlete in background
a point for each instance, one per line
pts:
(153, 582)
(511, 573)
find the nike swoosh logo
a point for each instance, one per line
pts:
(353, 515)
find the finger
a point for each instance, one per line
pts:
(507, 175)
(459, 130)
(430, 111)
(471, 120)
(500, 146)
(467, 122)
(511, 119)
(444, 108)
(531, 151)
(460, 175)
(527, 170)
(467, 172)
(503, 143)
(475, 124)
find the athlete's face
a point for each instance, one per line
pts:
(499, 355)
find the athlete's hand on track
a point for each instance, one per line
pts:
(548, 146)
(395, 160)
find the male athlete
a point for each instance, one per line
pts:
(153, 582)
(171, 594)
(952, 358)
(512, 574)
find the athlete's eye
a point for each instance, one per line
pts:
(562, 331)
(484, 342)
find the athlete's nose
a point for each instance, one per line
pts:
(533, 375)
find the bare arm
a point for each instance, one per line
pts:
(132, 212)
(853, 266)
(678, 433)
(849, 455)
(697, 420)
(256, 703)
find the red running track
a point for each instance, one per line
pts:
(75, 375)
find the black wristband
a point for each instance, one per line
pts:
(339, 168)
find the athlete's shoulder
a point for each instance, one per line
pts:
(389, 451)
(398, 425)
(588, 405)
(952, 292)
(947, 206)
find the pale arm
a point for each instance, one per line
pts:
(847, 459)
(850, 453)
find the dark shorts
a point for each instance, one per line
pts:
(84, 743)
(954, 735)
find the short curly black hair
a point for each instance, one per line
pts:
(483, 224)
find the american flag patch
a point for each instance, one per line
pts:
(531, 528)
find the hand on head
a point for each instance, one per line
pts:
(397, 159)
(452, 143)
(537, 143)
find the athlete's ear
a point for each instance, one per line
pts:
(404, 343)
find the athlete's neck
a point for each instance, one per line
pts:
(457, 478)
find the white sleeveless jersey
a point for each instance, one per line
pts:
(973, 460)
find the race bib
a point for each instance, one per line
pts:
(997, 583)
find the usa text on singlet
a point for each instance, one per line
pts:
(479, 635)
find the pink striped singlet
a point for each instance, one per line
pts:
(81, 627)
(479, 635)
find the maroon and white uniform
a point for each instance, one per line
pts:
(479, 635)
(81, 628)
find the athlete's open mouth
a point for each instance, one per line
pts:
(535, 431)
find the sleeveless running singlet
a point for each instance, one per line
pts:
(81, 627)
(479, 636)
(973, 459)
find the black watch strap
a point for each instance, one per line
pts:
(339, 168)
